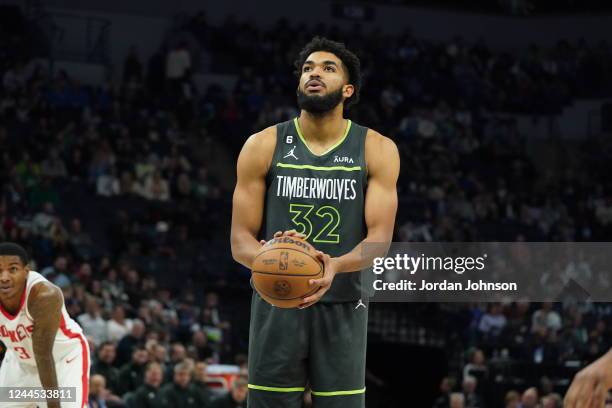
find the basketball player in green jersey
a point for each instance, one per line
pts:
(325, 178)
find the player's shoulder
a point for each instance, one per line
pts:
(44, 296)
(379, 147)
(262, 141)
(377, 140)
(257, 152)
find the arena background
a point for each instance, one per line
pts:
(120, 124)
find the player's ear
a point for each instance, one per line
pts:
(348, 90)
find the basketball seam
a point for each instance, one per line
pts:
(276, 298)
(292, 249)
(286, 274)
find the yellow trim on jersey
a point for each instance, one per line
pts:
(335, 393)
(317, 168)
(275, 389)
(299, 132)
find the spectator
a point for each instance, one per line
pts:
(105, 365)
(199, 382)
(80, 240)
(443, 400)
(546, 386)
(58, 272)
(545, 347)
(178, 62)
(457, 400)
(546, 318)
(552, 401)
(529, 398)
(180, 393)
(43, 220)
(512, 399)
(131, 375)
(146, 396)
(472, 400)
(476, 367)
(158, 354)
(493, 322)
(118, 326)
(97, 392)
(200, 343)
(53, 166)
(236, 398)
(126, 186)
(156, 187)
(178, 354)
(178, 67)
(130, 341)
(108, 185)
(92, 322)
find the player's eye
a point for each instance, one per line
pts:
(306, 69)
(13, 269)
(330, 68)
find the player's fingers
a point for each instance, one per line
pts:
(322, 282)
(585, 397)
(570, 397)
(262, 242)
(310, 300)
(305, 305)
(315, 296)
(278, 234)
(323, 257)
(599, 395)
(577, 397)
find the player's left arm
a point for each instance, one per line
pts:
(45, 307)
(380, 208)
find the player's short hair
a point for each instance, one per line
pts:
(348, 58)
(13, 249)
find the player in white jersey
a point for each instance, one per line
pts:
(45, 347)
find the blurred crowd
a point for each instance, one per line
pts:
(111, 189)
(533, 348)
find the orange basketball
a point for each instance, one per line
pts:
(282, 269)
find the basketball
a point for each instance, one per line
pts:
(282, 269)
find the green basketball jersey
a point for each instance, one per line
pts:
(321, 196)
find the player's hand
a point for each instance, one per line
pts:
(290, 233)
(330, 268)
(590, 386)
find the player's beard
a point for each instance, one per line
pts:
(319, 104)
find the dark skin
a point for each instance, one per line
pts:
(44, 304)
(322, 73)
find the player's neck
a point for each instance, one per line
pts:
(12, 304)
(322, 128)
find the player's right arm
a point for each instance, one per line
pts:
(249, 195)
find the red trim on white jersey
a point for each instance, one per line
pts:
(23, 297)
(85, 375)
